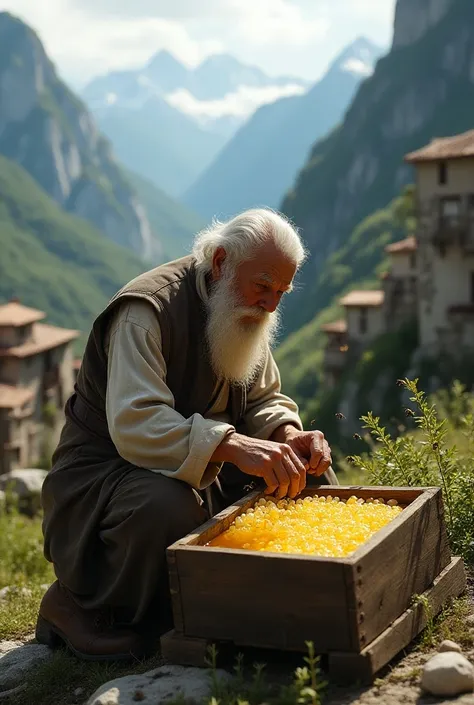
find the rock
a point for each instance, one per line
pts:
(448, 645)
(26, 484)
(17, 659)
(447, 673)
(5, 591)
(157, 686)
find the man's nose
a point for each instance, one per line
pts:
(269, 302)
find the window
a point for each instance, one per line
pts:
(442, 173)
(472, 287)
(450, 207)
(363, 321)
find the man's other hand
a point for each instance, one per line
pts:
(312, 449)
(277, 463)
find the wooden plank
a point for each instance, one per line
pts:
(350, 667)
(400, 560)
(268, 601)
(175, 592)
(184, 651)
(219, 523)
(403, 495)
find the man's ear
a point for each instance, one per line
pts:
(217, 263)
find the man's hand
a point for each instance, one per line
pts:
(277, 463)
(310, 446)
(313, 450)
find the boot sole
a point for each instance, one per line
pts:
(53, 637)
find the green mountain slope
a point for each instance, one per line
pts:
(173, 224)
(46, 129)
(359, 263)
(418, 91)
(52, 260)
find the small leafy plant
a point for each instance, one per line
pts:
(305, 689)
(427, 457)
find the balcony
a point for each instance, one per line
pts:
(335, 357)
(453, 223)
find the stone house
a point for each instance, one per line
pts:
(369, 313)
(445, 236)
(335, 350)
(431, 275)
(400, 283)
(36, 378)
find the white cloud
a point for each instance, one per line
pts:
(240, 103)
(83, 48)
(279, 21)
(359, 67)
(90, 37)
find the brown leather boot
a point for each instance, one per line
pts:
(87, 633)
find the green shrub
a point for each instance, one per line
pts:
(427, 456)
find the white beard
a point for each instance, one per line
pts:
(237, 348)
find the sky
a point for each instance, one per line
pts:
(86, 38)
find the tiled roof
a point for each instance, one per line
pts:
(335, 327)
(44, 337)
(407, 245)
(15, 314)
(363, 298)
(445, 148)
(14, 397)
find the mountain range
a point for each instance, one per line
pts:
(74, 224)
(346, 194)
(423, 88)
(168, 122)
(260, 163)
(49, 132)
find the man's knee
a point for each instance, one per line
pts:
(163, 506)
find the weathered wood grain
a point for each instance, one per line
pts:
(350, 667)
(184, 651)
(265, 600)
(401, 559)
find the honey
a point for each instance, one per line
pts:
(318, 525)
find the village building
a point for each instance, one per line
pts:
(445, 236)
(335, 351)
(400, 283)
(431, 274)
(36, 378)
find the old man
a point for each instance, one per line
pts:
(176, 410)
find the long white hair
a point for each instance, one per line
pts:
(241, 235)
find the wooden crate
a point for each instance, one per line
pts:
(357, 609)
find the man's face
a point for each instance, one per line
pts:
(243, 319)
(259, 283)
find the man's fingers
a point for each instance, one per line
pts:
(283, 478)
(325, 461)
(301, 468)
(271, 481)
(295, 477)
(317, 449)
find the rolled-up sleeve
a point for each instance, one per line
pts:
(143, 423)
(267, 407)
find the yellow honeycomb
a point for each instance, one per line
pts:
(319, 525)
